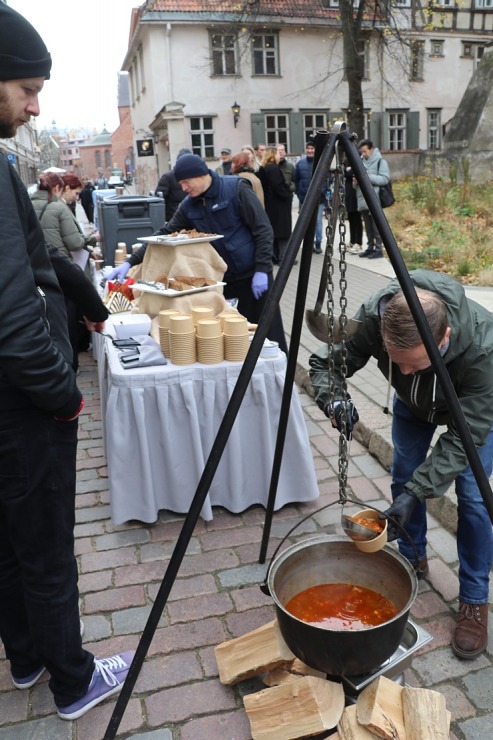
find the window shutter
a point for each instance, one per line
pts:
(375, 131)
(296, 139)
(257, 123)
(412, 125)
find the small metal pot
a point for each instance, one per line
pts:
(334, 559)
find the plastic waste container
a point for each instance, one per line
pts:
(123, 218)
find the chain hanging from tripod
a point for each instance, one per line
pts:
(337, 329)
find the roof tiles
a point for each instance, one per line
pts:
(287, 8)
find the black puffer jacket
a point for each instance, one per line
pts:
(35, 353)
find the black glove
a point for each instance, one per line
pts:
(401, 510)
(352, 415)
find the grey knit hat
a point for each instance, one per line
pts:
(23, 52)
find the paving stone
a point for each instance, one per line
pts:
(128, 621)
(478, 688)
(209, 605)
(479, 728)
(45, 728)
(442, 665)
(444, 544)
(13, 706)
(237, 577)
(443, 579)
(231, 537)
(96, 628)
(173, 705)
(161, 734)
(168, 670)
(230, 725)
(115, 598)
(121, 539)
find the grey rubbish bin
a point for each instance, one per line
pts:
(124, 218)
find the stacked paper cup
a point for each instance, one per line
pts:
(182, 339)
(201, 312)
(120, 255)
(163, 321)
(236, 338)
(210, 345)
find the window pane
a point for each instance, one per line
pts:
(195, 124)
(207, 122)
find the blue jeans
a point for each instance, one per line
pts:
(412, 438)
(319, 230)
(39, 610)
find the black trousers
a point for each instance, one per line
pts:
(372, 233)
(252, 308)
(39, 598)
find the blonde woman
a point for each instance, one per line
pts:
(278, 201)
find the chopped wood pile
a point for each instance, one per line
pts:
(300, 701)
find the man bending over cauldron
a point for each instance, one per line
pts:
(463, 331)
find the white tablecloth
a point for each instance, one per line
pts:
(160, 423)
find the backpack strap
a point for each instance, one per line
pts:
(43, 210)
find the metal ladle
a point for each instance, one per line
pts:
(355, 531)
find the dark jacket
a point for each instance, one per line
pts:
(469, 361)
(77, 287)
(278, 200)
(350, 200)
(35, 353)
(288, 170)
(302, 177)
(230, 207)
(172, 192)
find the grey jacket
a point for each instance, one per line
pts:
(59, 224)
(378, 172)
(469, 361)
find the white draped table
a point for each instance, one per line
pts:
(160, 423)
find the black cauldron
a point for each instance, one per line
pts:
(334, 559)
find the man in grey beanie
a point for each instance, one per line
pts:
(39, 406)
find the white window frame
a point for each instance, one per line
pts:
(310, 127)
(222, 52)
(397, 128)
(484, 4)
(268, 53)
(445, 3)
(202, 137)
(277, 129)
(434, 128)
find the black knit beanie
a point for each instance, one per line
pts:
(23, 53)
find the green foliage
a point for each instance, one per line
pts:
(445, 226)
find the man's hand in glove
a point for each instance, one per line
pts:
(260, 283)
(401, 510)
(118, 273)
(352, 415)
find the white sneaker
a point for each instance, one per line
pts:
(354, 248)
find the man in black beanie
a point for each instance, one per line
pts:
(39, 406)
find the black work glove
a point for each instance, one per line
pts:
(401, 510)
(352, 415)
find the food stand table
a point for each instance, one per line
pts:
(160, 423)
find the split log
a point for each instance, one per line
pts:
(296, 709)
(379, 709)
(256, 652)
(425, 715)
(290, 672)
(350, 729)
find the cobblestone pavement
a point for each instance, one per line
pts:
(216, 596)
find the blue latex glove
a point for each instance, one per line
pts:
(118, 273)
(260, 284)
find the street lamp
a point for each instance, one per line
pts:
(236, 112)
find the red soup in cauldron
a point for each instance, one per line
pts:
(341, 606)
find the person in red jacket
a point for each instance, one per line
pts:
(39, 406)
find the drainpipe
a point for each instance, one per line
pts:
(170, 69)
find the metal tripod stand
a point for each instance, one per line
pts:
(325, 145)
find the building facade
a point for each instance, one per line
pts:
(280, 65)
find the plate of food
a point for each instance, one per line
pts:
(179, 238)
(181, 285)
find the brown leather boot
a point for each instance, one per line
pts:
(471, 630)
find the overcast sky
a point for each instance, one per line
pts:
(87, 41)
